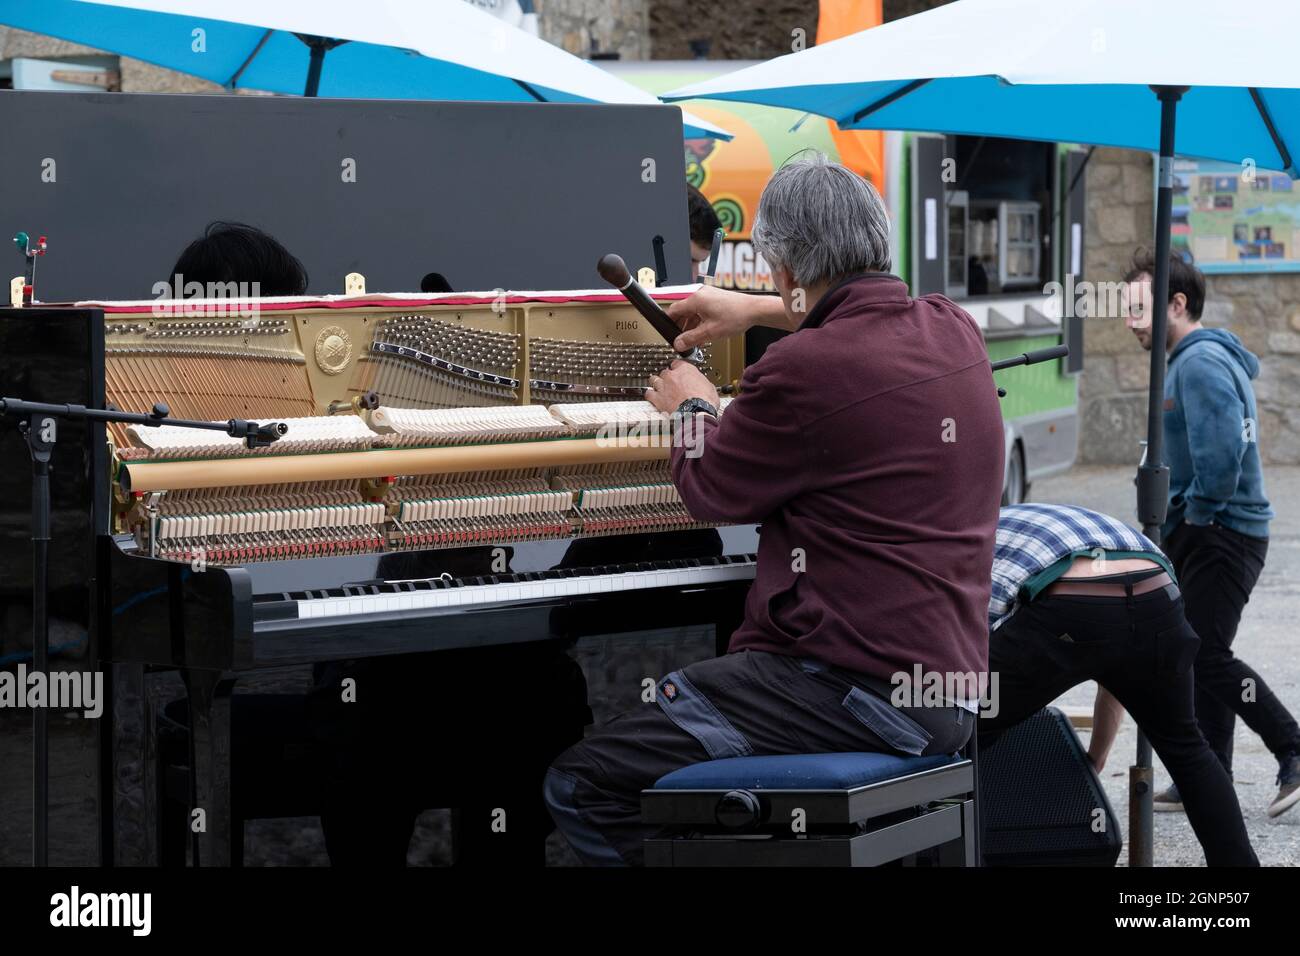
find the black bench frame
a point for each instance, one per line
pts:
(933, 810)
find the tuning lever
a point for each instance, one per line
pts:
(359, 404)
(614, 270)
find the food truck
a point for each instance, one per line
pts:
(994, 224)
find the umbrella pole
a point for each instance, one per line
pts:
(313, 68)
(1153, 473)
(318, 46)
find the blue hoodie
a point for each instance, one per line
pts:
(1211, 433)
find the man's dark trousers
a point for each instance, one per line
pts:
(741, 704)
(1217, 568)
(1141, 649)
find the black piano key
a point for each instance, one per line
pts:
(274, 598)
(272, 610)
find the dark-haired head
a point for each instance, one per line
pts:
(1184, 279)
(704, 223)
(232, 252)
(1186, 298)
(435, 282)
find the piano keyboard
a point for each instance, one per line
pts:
(397, 597)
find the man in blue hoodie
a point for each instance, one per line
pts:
(1216, 530)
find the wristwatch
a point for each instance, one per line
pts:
(693, 406)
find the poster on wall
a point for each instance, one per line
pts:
(1235, 218)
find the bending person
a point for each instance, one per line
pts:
(1080, 596)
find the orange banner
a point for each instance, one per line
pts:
(863, 151)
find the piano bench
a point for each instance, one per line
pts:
(845, 809)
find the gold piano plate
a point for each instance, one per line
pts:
(296, 357)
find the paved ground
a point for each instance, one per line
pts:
(614, 669)
(1268, 639)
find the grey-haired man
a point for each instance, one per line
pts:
(869, 445)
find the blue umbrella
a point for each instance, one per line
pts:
(1192, 77)
(383, 49)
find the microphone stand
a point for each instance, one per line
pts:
(1030, 358)
(37, 422)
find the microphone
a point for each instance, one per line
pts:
(1030, 358)
(1033, 358)
(614, 270)
(256, 435)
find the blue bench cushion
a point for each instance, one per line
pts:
(798, 771)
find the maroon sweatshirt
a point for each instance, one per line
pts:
(869, 445)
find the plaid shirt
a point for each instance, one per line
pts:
(1031, 538)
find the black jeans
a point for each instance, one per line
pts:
(1217, 569)
(1140, 649)
(741, 704)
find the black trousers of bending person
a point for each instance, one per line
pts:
(1141, 649)
(741, 704)
(473, 730)
(1217, 568)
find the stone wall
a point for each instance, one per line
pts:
(735, 29)
(744, 29)
(1263, 310)
(603, 26)
(1111, 406)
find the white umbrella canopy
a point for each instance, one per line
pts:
(1056, 70)
(404, 49)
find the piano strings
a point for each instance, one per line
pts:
(492, 426)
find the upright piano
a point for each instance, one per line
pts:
(459, 470)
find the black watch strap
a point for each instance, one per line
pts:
(693, 406)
